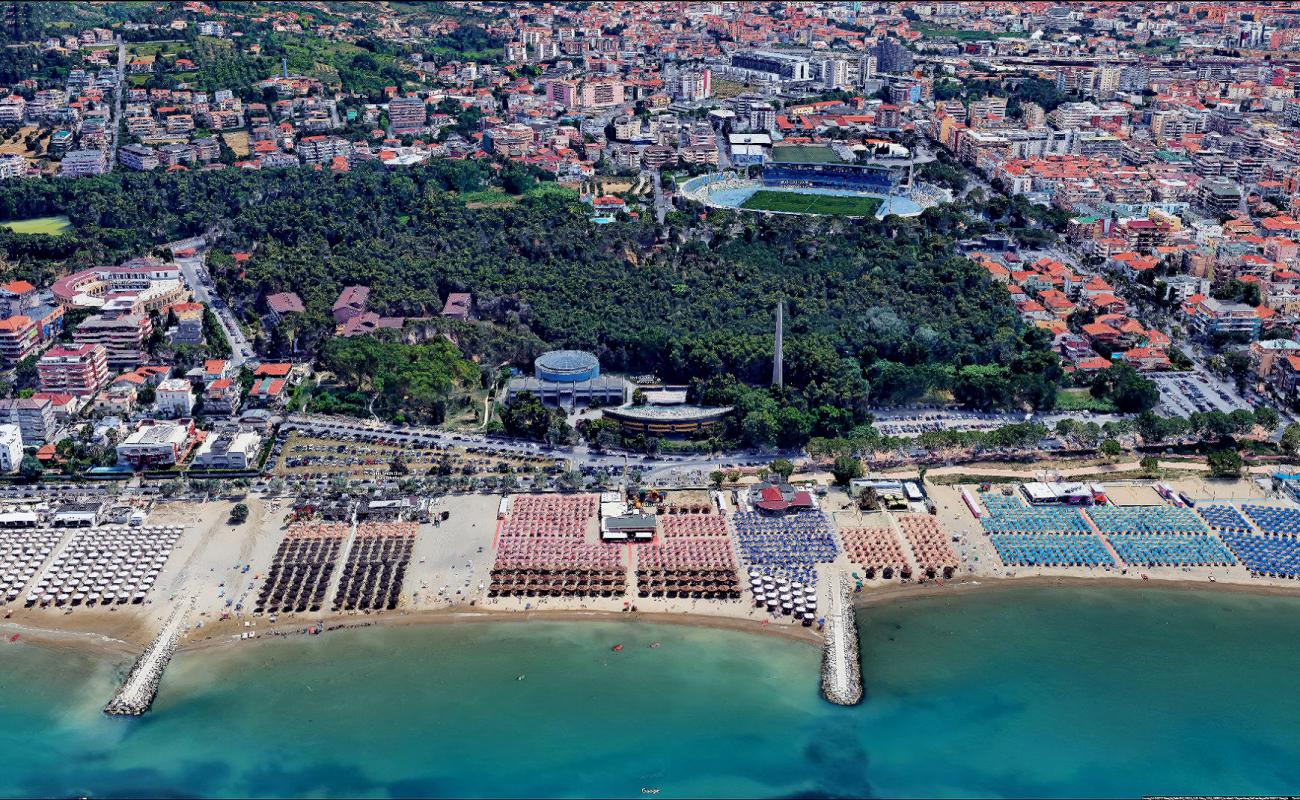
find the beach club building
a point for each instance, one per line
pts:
(1077, 494)
(780, 498)
(157, 444)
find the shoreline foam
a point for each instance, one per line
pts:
(220, 636)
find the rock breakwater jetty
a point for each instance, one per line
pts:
(841, 670)
(137, 692)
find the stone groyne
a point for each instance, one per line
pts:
(841, 670)
(137, 692)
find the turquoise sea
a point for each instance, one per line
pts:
(1034, 692)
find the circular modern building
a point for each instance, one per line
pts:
(566, 366)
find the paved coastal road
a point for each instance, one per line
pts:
(660, 467)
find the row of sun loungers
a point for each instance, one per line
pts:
(1224, 518)
(696, 561)
(555, 516)
(1011, 515)
(1274, 520)
(790, 546)
(1266, 556)
(22, 552)
(934, 554)
(1145, 519)
(105, 566)
(877, 551)
(375, 568)
(1171, 550)
(302, 567)
(1051, 550)
(542, 551)
(693, 526)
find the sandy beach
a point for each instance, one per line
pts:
(222, 566)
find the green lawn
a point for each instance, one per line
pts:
(829, 205)
(491, 198)
(54, 226)
(142, 49)
(1082, 400)
(963, 35)
(805, 154)
(495, 198)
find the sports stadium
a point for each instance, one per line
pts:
(816, 186)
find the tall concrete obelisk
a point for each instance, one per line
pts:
(778, 369)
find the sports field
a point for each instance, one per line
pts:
(53, 226)
(798, 203)
(805, 154)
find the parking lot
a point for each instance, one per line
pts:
(356, 457)
(922, 422)
(1185, 393)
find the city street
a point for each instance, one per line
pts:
(241, 351)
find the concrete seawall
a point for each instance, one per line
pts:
(137, 692)
(841, 671)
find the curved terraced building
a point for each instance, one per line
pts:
(140, 285)
(670, 420)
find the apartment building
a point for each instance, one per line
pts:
(82, 163)
(1211, 317)
(79, 370)
(511, 140)
(21, 335)
(138, 157)
(12, 165)
(323, 149)
(11, 447)
(34, 418)
(221, 397)
(602, 93)
(122, 337)
(407, 114)
(174, 398)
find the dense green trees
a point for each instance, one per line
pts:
(1040, 91)
(1238, 292)
(942, 174)
(1225, 464)
(875, 312)
(525, 415)
(414, 382)
(29, 469)
(1211, 426)
(467, 43)
(1126, 388)
(845, 469)
(1290, 442)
